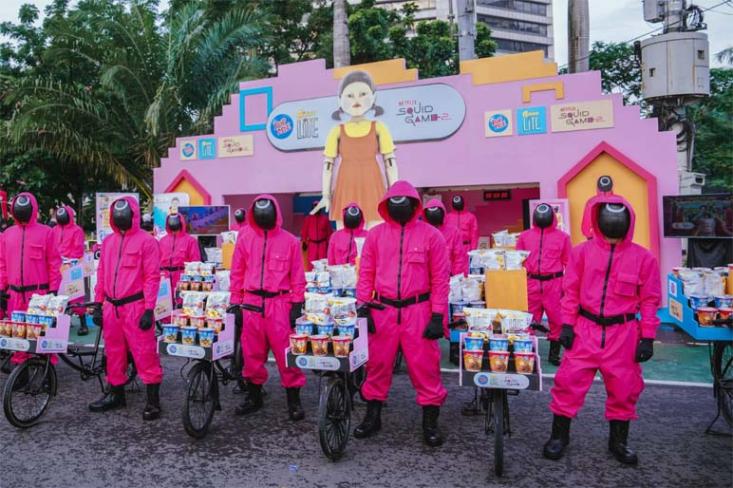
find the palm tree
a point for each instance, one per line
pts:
(155, 81)
(341, 47)
(725, 56)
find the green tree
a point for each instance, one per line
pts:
(619, 67)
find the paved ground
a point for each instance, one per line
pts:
(73, 447)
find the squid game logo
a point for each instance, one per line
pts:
(414, 112)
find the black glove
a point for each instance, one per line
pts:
(147, 320)
(237, 312)
(364, 312)
(434, 329)
(567, 336)
(296, 311)
(97, 316)
(645, 350)
(304, 245)
(538, 326)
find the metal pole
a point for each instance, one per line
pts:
(466, 29)
(578, 36)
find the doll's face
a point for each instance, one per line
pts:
(357, 99)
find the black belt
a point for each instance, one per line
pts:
(405, 302)
(466, 242)
(545, 277)
(119, 302)
(268, 294)
(314, 241)
(611, 320)
(172, 268)
(23, 289)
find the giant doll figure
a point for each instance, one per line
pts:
(608, 281)
(357, 143)
(549, 251)
(404, 275)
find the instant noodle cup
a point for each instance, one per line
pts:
(303, 326)
(523, 345)
(473, 343)
(18, 317)
(498, 343)
(706, 315)
(472, 360)
(188, 335)
(319, 344)
(33, 332)
(725, 313)
(170, 333)
(206, 337)
(199, 322)
(699, 301)
(45, 320)
(19, 330)
(32, 318)
(182, 320)
(341, 346)
(723, 301)
(298, 343)
(325, 329)
(216, 324)
(524, 362)
(347, 331)
(499, 361)
(208, 284)
(5, 328)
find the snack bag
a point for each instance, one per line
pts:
(343, 310)
(456, 289)
(193, 303)
(217, 304)
(229, 237)
(38, 304)
(57, 305)
(515, 322)
(317, 303)
(192, 268)
(320, 266)
(471, 290)
(222, 280)
(515, 259)
(479, 318)
(310, 279)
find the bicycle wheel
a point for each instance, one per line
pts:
(723, 377)
(28, 392)
(498, 407)
(334, 414)
(198, 411)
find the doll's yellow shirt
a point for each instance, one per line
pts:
(358, 129)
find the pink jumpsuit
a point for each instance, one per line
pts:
(456, 250)
(177, 248)
(407, 262)
(267, 272)
(605, 280)
(29, 263)
(128, 278)
(341, 246)
(549, 254)
(69, 240)
(315, 233)
(467, 224)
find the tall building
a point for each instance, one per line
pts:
(516, 25)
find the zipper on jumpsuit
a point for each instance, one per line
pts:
(399, 276)
(117, 269)
(173, 250)
(22, 255)
(348, 254)
(262, 274)
(539, 260)
(603, 296)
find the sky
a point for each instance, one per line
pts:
(610, 20)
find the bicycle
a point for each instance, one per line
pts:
(202, 391)
(344, 377)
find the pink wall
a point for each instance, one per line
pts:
(541, 159)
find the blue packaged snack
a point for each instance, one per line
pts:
(347, 330)
(473, 343)
(498, 344)
(523, 345)
(326, 329)
(18, 317)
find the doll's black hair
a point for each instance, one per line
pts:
(356, 77)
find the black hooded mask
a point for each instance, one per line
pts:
(614, 220)
(62, 216)
(435, 216)
(239, 215)
(353, 218)
(22, 209)
(401, 209)
(174, 222)
(265, 214)
(457, 203)
(542, 216)
(605, 183)
(122, 215)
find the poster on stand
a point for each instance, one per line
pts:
(164, 303)
(72, 281)
(561, 209)
(103, 202)
(165, 204)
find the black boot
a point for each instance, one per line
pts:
(619, 434)
(554, 356)
(112, 400)
(83, 329)
(152, 407)
(372, 420)
(252, 402)
(560, 438)
(295, 410)
(430, 431)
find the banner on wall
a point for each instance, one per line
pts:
(103, 202)
(559, 206)
(565, 117)
(165, 204)
(235, 146)
(416, 113)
